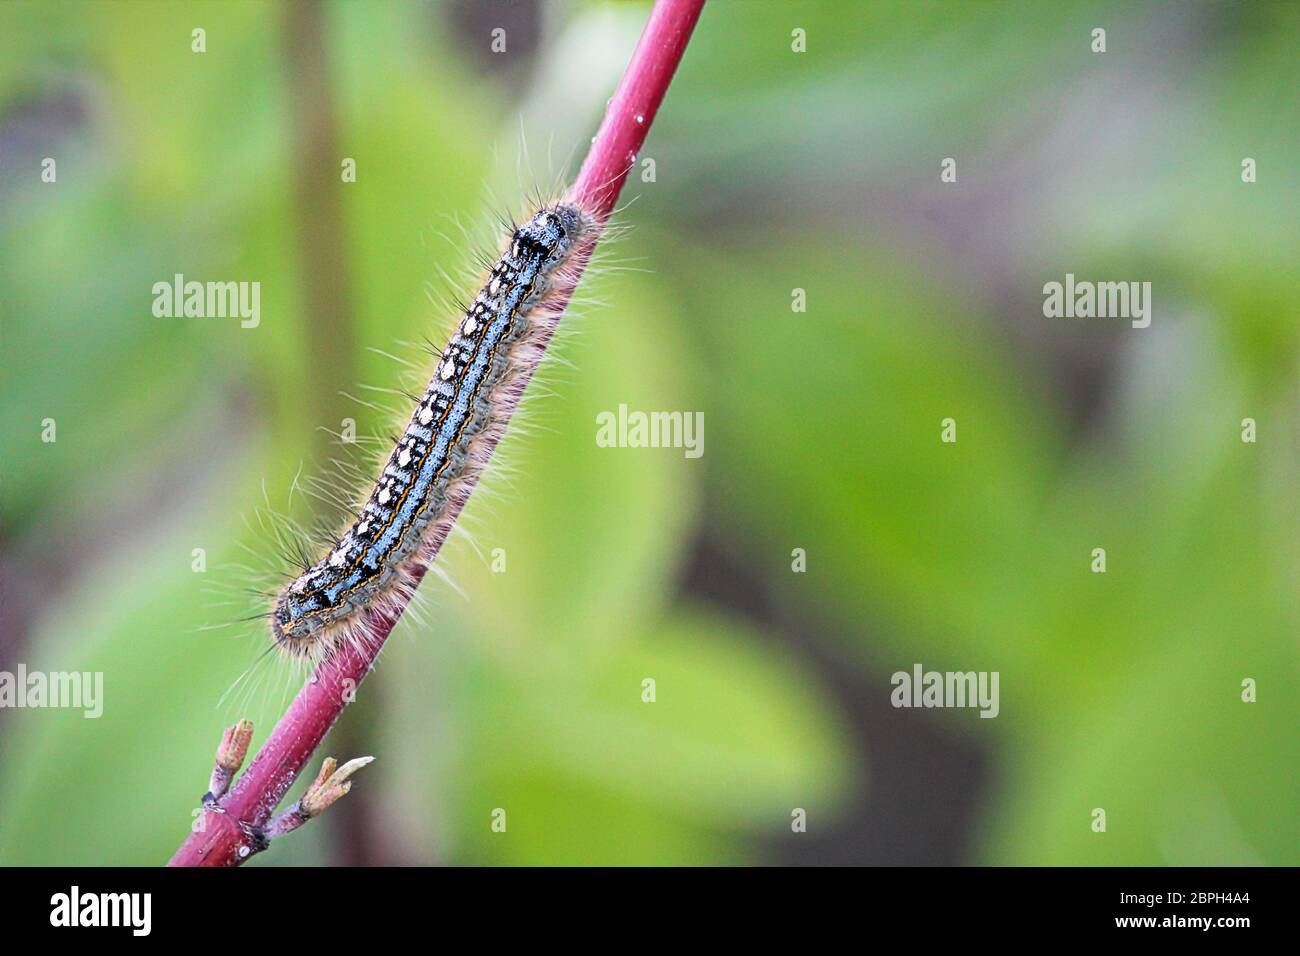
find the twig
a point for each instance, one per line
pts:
(239, 824)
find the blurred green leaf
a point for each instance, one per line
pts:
(735, 740)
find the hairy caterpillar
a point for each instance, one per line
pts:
(430, 472)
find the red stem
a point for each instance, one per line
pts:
(222, 841)
(635, 103)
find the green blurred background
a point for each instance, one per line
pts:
(775, 170)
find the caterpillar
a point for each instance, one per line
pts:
(435, 462)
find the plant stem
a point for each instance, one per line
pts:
(634, 105)
(225, 837)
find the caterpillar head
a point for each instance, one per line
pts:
(296, 614)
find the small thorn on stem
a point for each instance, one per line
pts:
(329, 787)
(230, 757)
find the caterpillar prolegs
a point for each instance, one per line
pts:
(447, 442)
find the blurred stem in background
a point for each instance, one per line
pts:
(325, 274)
(314, 158)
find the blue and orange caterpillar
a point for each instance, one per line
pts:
(462, 414)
